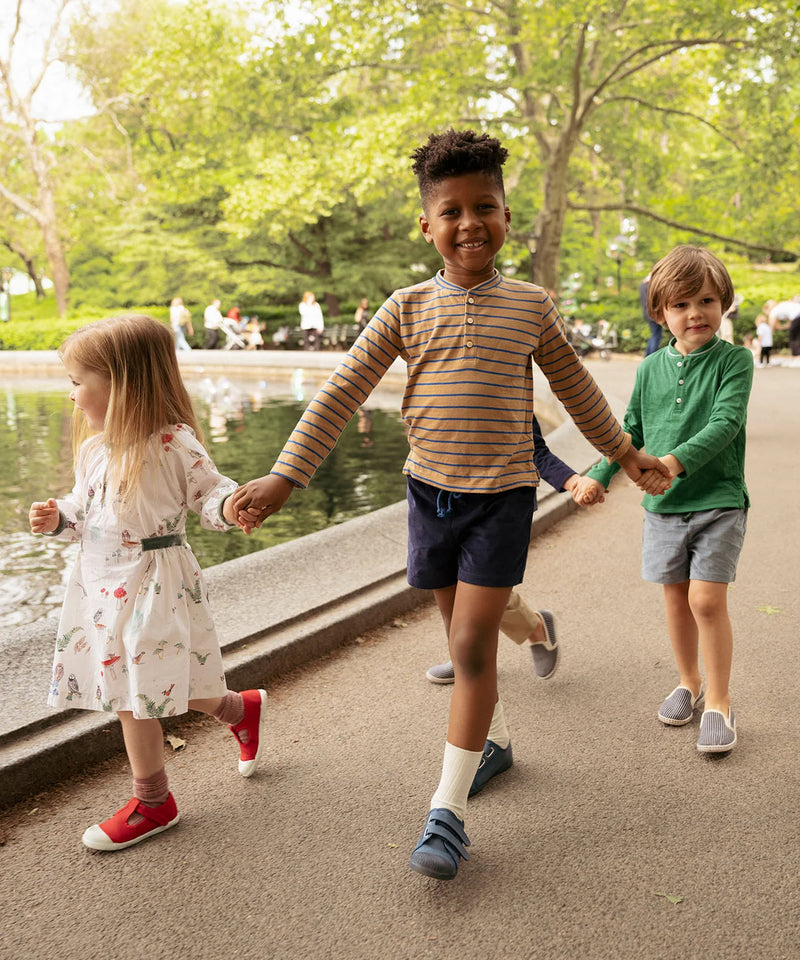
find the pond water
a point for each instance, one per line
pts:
(245, 423)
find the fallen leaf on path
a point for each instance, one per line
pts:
(175, 742)
(769, 610)
(669, 896)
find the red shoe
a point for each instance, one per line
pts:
(255, 702)
(116, 833)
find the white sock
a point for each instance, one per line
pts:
(498, 731)
(458, 771)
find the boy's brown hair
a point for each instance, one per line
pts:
(681, 273)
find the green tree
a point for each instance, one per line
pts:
(28, 164)
(582, 94)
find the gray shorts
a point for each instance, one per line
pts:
(692, 546)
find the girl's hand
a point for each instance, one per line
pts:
(43, 517)
(588, 491)
(258, 499)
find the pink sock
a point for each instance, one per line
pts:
(231, 710)
(152, 790)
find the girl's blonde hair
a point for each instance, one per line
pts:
(137, 355)
(682, 273)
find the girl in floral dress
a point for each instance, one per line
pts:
(136, 635)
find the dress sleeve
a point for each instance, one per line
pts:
(206, 488)
(71, 514)
(72, 508)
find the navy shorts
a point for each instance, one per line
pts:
(478, 538)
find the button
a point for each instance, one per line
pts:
(470, 300)
(680, 363)
(680, 381)
(470, 320)
(678, 400)
(469, 343)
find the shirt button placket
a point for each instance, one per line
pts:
(469, 321)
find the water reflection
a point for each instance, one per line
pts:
(246, 424)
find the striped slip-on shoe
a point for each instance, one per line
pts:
(546, 654)
(678, 709)
(717, 732)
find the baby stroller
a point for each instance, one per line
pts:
(604, 340)
(233, 340)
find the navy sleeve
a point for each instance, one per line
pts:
(550, 467)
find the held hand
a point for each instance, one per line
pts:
(43, 517)
(635, 462)
(587, 491)
(259, 499)
(653, 482)
(229, 513)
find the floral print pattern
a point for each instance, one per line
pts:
(136, 631)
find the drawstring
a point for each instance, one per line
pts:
(443, 510)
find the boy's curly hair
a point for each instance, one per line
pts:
(682, 273)
(456, 152)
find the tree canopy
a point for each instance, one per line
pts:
(255, 150)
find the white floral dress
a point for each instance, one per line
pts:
(136, 631)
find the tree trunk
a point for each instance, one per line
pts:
(550, 222)
(332, 307)
(30, 266)
(48, 213)
(54, 250)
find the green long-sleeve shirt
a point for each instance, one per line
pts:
(695, 408)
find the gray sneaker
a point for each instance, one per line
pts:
(441, 673)
(678, 709)
(717, 732)
(547, 654)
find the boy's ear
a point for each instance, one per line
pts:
(425, 227)
(507, 212)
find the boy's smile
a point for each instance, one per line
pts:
(466, 219)
(694, 320)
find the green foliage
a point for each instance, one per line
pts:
(254, 157)
(35, 324)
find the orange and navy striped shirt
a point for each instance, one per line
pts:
(468, 401)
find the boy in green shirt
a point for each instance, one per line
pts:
(689, 408)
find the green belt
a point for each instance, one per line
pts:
(158, 543)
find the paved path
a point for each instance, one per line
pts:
(604, 813)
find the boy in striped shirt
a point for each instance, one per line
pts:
(467, 336)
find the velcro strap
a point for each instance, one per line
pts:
(158, 815)
(453, 836)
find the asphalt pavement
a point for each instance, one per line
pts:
(610, 837)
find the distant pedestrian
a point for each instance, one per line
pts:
(656, 330)
(765, 338)
(136, 636)
(689, 408)
(311, 321)
(181, 322)
(362, 314)
(213, 323)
